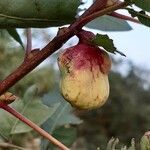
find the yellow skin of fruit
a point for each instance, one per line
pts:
(85, 88)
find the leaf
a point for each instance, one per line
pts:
(13, 32)
(145, 143)
(30, 93)
(107, 43)
(62, 116)
(108, 23)
(142, 16)
(66, 135)
(144, 4)
(39, 13)
(34, 110)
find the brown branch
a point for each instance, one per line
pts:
(51, 47)
(33, 126)
(98, 5)
(102, 12)
(120, 16)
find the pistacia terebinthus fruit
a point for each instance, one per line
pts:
(84, 73)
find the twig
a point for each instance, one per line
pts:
(120, 16)
(33, 126)
(29, 42)
(98, 5)
(102, 12)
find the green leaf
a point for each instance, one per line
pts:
(31, 93)
(66, 135)
(142, 16)
(62, 116)
(108, 23)
(145, 143)
(13, 32)
(34, 110)
(107, 43)
(64, 113)
(39, 13)
(144, 4)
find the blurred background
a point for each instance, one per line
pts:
(124, 116)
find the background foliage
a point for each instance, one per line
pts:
(125, 115)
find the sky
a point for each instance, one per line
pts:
(135, 44)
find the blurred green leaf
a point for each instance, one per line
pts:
(142, 16)
(108, 23)
(145, 143)
(34, 110)
(106, 43)
(30, 93)
(64, 113)
(67, 135)
(144, 4)
(39, 13)
(13, 32)
(62, 116)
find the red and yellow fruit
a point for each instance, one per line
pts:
(84, 73)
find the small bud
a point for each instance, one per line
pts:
(7, 98)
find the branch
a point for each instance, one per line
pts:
(51, 47)
(98, 5)
(102, 12)
(120, 16)
(29, 42)
(32, 125)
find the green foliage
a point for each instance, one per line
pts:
(145, 142)
(66, 134)
(142, 16)
(33, 109)
(39, 13)
(125, 115)
(108, 23)
(106, 43)
(144, 4)
(62, 116)
(13, 32)
(34, 90)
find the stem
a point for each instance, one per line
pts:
(29, 41)
(33, 126)
(98, 5)
(102, 12)
(120, 16)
